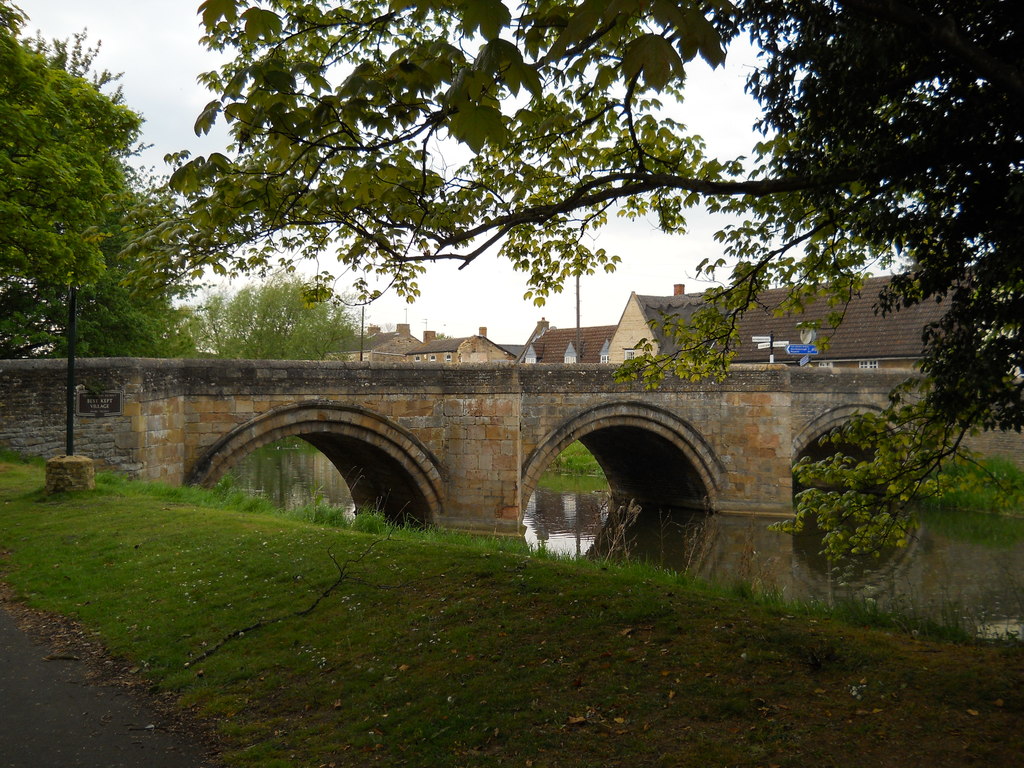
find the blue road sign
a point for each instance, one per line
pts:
(801, 349)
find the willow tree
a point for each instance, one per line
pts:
(388, 135)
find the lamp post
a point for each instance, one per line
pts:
(69, 449)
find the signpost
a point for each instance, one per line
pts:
(769, 343)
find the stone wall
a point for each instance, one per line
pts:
(631, 328)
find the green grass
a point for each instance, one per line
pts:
(993, 485)
(438, 649)
(576, 460)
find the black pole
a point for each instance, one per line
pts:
(362, 330)
(579, 339)
(72, 300)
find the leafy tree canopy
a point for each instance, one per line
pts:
(58, 96)
(274, 320)
(391, 134)
(62, 143)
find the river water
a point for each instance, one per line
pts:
(948, 572)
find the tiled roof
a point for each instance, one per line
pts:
(440, 345)
(550, 347)
(656, 307)
(863, 334)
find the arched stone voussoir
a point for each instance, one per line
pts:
(825, 422)
(337, 429)
(661, 424)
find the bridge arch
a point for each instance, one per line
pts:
(646, 452)
(384, 465)
(805, 441)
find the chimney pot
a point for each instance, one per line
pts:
(678, 289)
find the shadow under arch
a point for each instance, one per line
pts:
(807, 439)
(384, 465)
(647, 453)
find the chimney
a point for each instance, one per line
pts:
(373, 330)
(483, 331)
(541, 328)
(678, 289)
(403, 329)
(429, 336)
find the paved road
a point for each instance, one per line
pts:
(51, 716)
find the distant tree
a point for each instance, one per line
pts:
(280, 319)
(69, 203)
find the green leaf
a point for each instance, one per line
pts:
(489, 16)
(207, 118)
(260, 23)
(476, 125)
(653, 57)
(215, 10)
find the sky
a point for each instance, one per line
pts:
(155, 44)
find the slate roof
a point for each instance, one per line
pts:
(440, 345)
(551, 345)
(864, 334)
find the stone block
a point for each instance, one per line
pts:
(70, 473)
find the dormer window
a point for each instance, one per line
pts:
(570, 354)
(531, 356)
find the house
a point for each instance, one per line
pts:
(467, 349)
(865, 338)
(643, 312)
(388, 346)
(568, 345)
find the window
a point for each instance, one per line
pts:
(531, 356)
(825, 364)
(569, 359)
(447, 357)
(605, 359)
(418, 358)
(630, 354)
(868, 364)
(433, 358)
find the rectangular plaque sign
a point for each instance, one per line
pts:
(100, 403)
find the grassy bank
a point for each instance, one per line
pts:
(990, 486)
(312, 646)
(576, 460)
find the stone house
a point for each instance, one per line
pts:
(387, 346)
(466, 349)
(865, 339)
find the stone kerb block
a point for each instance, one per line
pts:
(70, 473)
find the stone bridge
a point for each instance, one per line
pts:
(454, 446)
